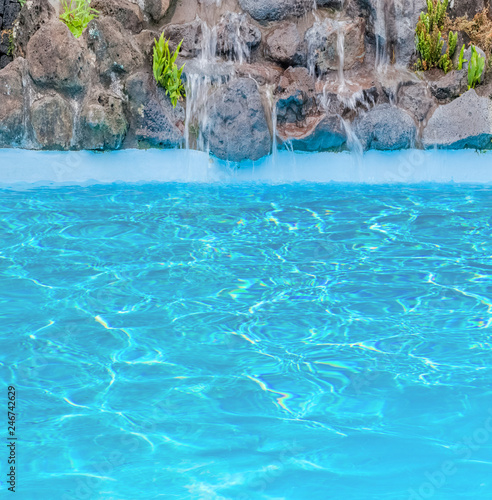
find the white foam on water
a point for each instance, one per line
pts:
(23, 168)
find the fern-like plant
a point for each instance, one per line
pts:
(475, 68)
(77, 14)
(166, 72)
(429, 40)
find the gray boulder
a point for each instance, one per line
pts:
(464, 123)
(57, 59)
(238, 128)
(52, 122)
(12, 105)
(448, 86)
(386, 128)
(102, 123)
(283, 45)
(459, 8)
(116, 53)
(275, 10)
(416, 99)
(153, 121)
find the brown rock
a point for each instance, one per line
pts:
(264, 74)
(34, 14)
(56, 59)
(125, 12)
(156, 9)
(282, 44)
(102, 122)
(52, 122)
(116, 52)
(322, 40)
(12, 104)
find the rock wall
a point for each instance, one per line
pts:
(324, 75)
(9, 10)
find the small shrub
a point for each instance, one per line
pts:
(429, 40)
(475, 68)
(77, 14)
(166, 72)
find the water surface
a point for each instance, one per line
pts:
(249, 341)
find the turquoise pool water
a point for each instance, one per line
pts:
(248, 341)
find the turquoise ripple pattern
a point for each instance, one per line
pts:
(249, 342)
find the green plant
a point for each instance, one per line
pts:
(166, 72)
(429, 40)
(10, 51)
(77, 14)
(475, 68)
(462, 59)
(22, 2)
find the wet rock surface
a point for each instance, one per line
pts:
(238, 129)
(12, 105)
(386, 128)
(153, 121)
(52, 122)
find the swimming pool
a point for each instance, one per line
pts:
(245, 340)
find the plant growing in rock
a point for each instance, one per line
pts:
(10, 51)
(77, 14)
(476, 66)
(166, 72)
(429, 40)
(462, 59)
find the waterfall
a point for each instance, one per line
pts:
(234, 43)
(380, 32)
(198, 83)
(341, 54)
(353, 142)
(273, 111)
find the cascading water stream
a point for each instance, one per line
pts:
(198, 83)
(273, 113)
(380, 31)
(341, 55)
(353, 142)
